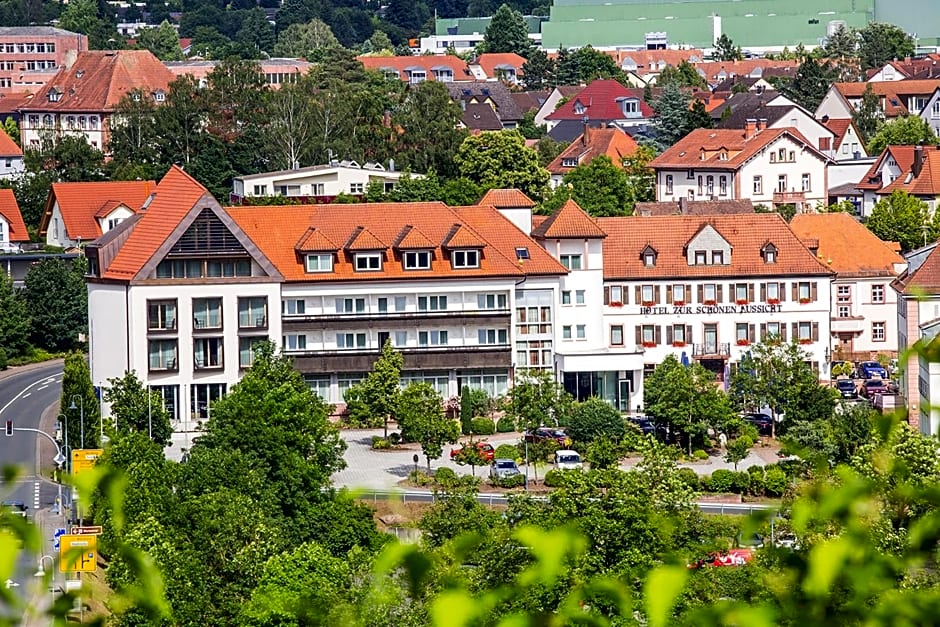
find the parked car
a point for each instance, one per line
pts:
(733, 557)
(485, 449)
(842, 368)
(847, 388)
(547, 433)
(502, 468)
(644, 423)
(567, 460)
(872, 370)
(762, 422)
(17, 508)
(874, 386)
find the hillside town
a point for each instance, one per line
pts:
(298, 260)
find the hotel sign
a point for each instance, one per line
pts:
(708, 310)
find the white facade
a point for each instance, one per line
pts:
(91, 126)
(57, 235)
(6, 246)
(346, 177)
(864, 316)
(835, 106)
(931, 112)
(11, 166)
(850, 147)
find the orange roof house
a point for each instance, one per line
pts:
(895, 98)
(912, 169)
(594, 142)
(494, 66)
(12, 228)
(846, 246)
(80, 212)
(417, 69)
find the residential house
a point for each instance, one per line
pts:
(864, 307)
(912, 169)
(602, 102)
(77, 213)
(11, 157)
(530, 101)
(81, 98)
(318, 183)
(593, 142)
(918, 68)
(716, 72)
(31, 55)
(13, 231)
(895, 98)
(772, 167)
(445, 68)
(648, 64)
(847, 144)
(497, 66)
(277, 71)
(686, 207)
(931, 112)
(743, 84)
(554, 99)
(495, 94)
(478, 117)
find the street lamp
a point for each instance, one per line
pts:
(65, 432)
(40, 571)
(81, 408)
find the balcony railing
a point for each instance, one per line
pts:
(711, 349)
(848, 325)
(397, 315)
(788, 198)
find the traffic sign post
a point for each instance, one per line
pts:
(92, 530)
(84, 459)
(78, 553)
(58, 533)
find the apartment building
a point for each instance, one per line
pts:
(31, 55)
(318, 183)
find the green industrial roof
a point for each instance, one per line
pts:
(470, 25)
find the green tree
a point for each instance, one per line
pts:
(810, 83)
(421, 418)
(907, 130)
(162, 41)
(381, 390)
(683, 75)
(54, 291)
(596, 419)
(904, 219)
(538, 70)
(585, 65)
(135, 142)
(78, 392)
(842, 44)
(84, 16)
(737, 450)
(133, 409)
(725, 50)
(408, 14)
(66, 158)
(698, 117)
(501, 159)
(879, 43)
(14, 319)
(507, 32)
(289, 134)
(430, 138)
(548, 148)
(256, 32)
(12, 129)
(640, 174)
(379, 44)
(601, 187)
(868, 116)
(307, 40)
(536, 399)
(672, 115)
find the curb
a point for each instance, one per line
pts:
(12, 371)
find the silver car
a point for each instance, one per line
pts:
(502, 468)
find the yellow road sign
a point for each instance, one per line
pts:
(78, 554)
(84, 459)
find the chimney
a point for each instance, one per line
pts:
(761, 124)
(750, 128)
(918, 164)
(683, 206)
(586, 136)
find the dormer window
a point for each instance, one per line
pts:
(320, 262)
(368, 262)
(769, 253)
(723, 156)
(630, 107)
(55, 95)
(79, 73)
(417, 259)
(718, 257)
(569, 162)
(579, 108)
(648, 257)
(159, 96)
(465, 259)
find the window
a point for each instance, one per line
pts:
(740, 293)
(317, 189)
(417, 76)
(773, 329)
(356, 188)
(648, 294)
(293, 307)
(246, 350)
(844, 311)
(522, 253)
(350, 340)
(718, 257)
(581, 331)
(400, 303)
(772, 291)
(47, 120)
(649, 259)
(162, 354)
(804, 291)
(417, 260)
(534, 354)
(492, 336)
(260, 190)
(700, 188)
(701, 257)
(200, 268)
(648, 335)
(572, 262)
(615, 295)
(566, 297)
(710, 293)
(741, 335)
(792, 156)
(723, 186)
(491, 301)
(878, 331)
(252, 312)
(844, 294)
(678, 294)
(207, 352)
(169, 396)
(294, 342)
(432, 303)
(566, 332)
(400, 339)
(935, 110)
(579, 297)
(161, 315)
(368, 262)
(569, 162)
(710, 184)
(878, 293)
(350, 305)
(616, 335)
(806, 182)
(678, 334)
(631, 107)
(320, 263)
(432, 338)
(805, 331)
(669, 184)
(782, 183)
(770, 254)
(207, 313)
(159, 96)
(465, 259)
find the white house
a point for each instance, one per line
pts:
(903, 168)
(12, 228)
(11, 157)
(77, 213)
(931, 112)
(323, 182)
(864, 306)
(766, 166)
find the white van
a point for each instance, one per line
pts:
(567, 460)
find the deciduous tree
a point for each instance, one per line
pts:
(880, 42)
(538, 70)
(868, 116)
(536, 399)
(683, 75)
(162, 41)
(54, 290)
(907, 130)
(381, 390)
(725, 50)
(501, 159)
(77, 390)
(596, 419)
(904, 219)
(135, 408)
(308, 40)
(601, 187)
(430, 138)
(421, 418)
(14, 319)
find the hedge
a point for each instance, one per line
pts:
(483, 426)
(505, 425)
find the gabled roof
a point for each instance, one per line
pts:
(926, 183)
(687, 152)
(314, 241)
(601, 100)
(693, 207)
(529, 100)
(925, 277)
(108, 206)
(839, 128)
(79, 204)
(426, 62)
(98, 79)
(483, 91)
(648, 61)
(275, 231)
(720, 70)
(891, 93)
(8, 147)
(903, 156)
(10, 211)
(569, 222)
(411, 238)
(363, 239)
(595, 142)
(479, 116)
(461, 236)
(749, 106)
(491, 62)
(846, 246)
(669, 236)
(506, 199)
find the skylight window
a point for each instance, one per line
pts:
(522, 253)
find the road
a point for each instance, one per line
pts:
(23, 398)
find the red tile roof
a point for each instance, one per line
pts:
(275, 230)
(839, 128)
(927, 183)
(8, 147)
(688, 151)
(902, 155)
(670, 235)
(99, 79)
(314, 241)
(363, 239)
(594, 142)
(846, 246)
(425, 62)
(174, 196)
(506, 199)
(492, 61)
(713, 69)
(10, 211)
(461, 236)
(79, 203)
(601, 100)
(411, 238)
(925, 279)
(893, 93)
(649, 60)
(569, 222)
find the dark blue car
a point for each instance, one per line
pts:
(871, 370)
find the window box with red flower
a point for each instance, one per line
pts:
(773, 301)
(649, 344)
(616, 303)
(709, 302)
(678, 303)
(805, 301)
(741, 301)
(678, 344)
(743, 342)
(804, 340)
(648, 303)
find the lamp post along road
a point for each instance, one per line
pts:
(81, 408)
(59, 458)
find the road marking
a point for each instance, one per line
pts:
(36, 495)
(42, 387)
(23, 393)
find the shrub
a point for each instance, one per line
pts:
(420, 478)
(689, 477)
(378, 442)
(741, 482)
(358, 415)
(756, 487)
(776, 481)
(699, 454)
(445, 475)
(596, 418)
(512, 481)
(553, 478)
(756, 470)
(602, 454)
(507, 451)
(394, 438)
(3, 359)
(721, 481)
(505, 425)
(483, 426)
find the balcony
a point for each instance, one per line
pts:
(712, 350)
(429, 358)
(248, 324)
(855, 324)
(401, 320)
(789, 198)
